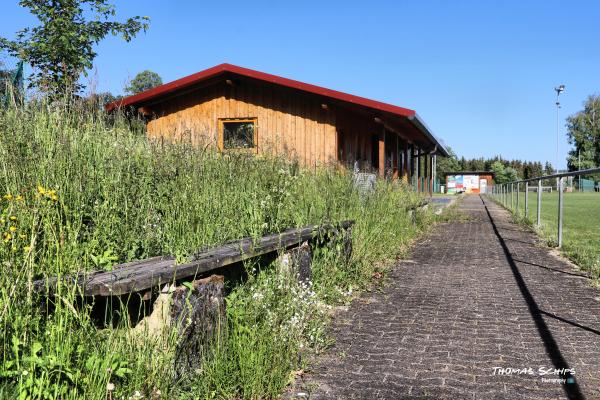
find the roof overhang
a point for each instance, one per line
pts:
(421, 126)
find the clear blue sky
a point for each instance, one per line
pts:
(480, 73)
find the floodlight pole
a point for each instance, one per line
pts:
(559, 89)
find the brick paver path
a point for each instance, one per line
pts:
(477, 295)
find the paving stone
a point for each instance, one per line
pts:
(480, 294)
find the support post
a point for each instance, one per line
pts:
(539, 204)
(425, 184)
(405, 169)
(526, 200)
(395, 158)
(381, 161)
(434, 170)
(560, 211)
(417, 170)
(512, 196)
(518, 187)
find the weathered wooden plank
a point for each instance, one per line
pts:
(221, 256)
(141, 275)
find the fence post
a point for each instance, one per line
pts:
(560, 211)
(526, 200)
(518, 186)
(539, 204)
(512, 196)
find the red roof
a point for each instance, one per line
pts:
(190, 80)
(222, 69)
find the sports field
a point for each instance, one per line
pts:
(581, 226)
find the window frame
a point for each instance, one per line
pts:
(223, 121)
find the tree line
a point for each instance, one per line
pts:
(504, 170)
(583, 134)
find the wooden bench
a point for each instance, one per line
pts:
(142, 275)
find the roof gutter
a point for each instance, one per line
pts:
(418, 122)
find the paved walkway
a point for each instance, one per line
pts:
(478, 295)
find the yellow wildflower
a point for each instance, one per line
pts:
(26, 249)
(7, 237)
(19, 198)
(41, 190)
(13, 218)
(21, 236)
(54, 197)
(8, 196)
(12, 228)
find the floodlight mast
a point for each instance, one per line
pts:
(559, 89)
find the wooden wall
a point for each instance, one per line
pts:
(291, 125)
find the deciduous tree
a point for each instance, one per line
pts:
(143, 81)
(61, 47)
(584, 135)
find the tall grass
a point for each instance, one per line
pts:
(82, 191)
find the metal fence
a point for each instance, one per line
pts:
(508, 195)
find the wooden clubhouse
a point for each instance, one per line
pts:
(239, 109)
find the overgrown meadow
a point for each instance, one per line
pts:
(83, 191)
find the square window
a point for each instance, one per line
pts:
(238, 134)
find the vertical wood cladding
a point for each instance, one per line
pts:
(288, 124)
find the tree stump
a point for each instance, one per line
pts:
(197, 312)
(298, 261)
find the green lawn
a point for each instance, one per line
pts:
(581, 224)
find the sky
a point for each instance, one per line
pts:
(480, 73)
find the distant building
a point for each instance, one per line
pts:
(241, 110)
(469, 181)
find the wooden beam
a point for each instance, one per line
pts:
(381, 161)
(425, 173)
(396, 157)
(405, 171)
(139, 276)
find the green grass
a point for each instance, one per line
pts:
(82, 191)
(581, 225)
